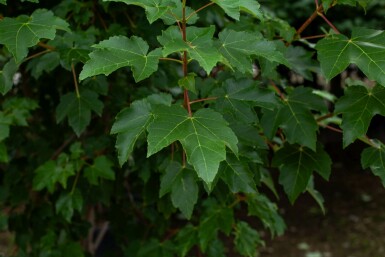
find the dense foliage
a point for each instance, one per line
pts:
(161, 123)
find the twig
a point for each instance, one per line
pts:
(170, 59)
(75, 80)
(198, 10)
(203, 99)
(37, 55)
(276, 88)
(325, 117)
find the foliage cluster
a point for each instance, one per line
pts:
(164, 122)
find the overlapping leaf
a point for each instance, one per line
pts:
(78, 109)
(204, 137)
(18, 34)
(234, 7)
(374, 158)
(237, 175)
(358, 106)
(327, 3)
(132, 122)
(295, 118)
(175, 15)
(119, 51)
(154, 8)
(365, 48)
(101, 168)
(199, 45)
(296, 165)
(6, 76)
(239, 47)
(180, 182)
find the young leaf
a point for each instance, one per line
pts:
(374, 158)
(204, 137)
(68, 203)
(365, 48)
(183, 187)
(199, 45)
(101, 168)
(154, 8)
(6, 76)
(78, 109)
(296, 164)
(247, 239)
(188, 82)
(119, 51)
(358, 106)
(18, 34)
(237, 175)
(51, 172)
(233, 8)
(239, 47)
(175, 15)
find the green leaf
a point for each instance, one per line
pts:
(154, 8)
(199, 45)
(78, 109)
(132, 122)
(239, 48)
(156, 248)
(3, 152)
(215, 218)
(175, 15)
(358, 106)
(51, 172)
(68, 203)
(247, 239)
(183, 187)
(237, 175)
(233, 7)
(374, 158)
(327, 3)
(260, 206)
(6, 76)
(296, 165)
(18, 34)
(186, 238)
(5, 122)
(119, 51)
(365, 48)
(101, 168)
(204, 137)
(47, 63)
(301, 61)
(295, 118)
(315, 194)
(216, 249)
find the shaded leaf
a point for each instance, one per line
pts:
(119, 51)
(204, 137)
(101, 168)
(374, 158)
(296, 165)
(18, 34)
(68, 203)
(3, 152)
(180, 182)
(267, 211)
(78, 109)
(6, 76)
(186, 238)
(315, 194)
(358, 106)
(51, 172)
(237, 175)
(247, 239)
(365, 48)
(215, 218)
